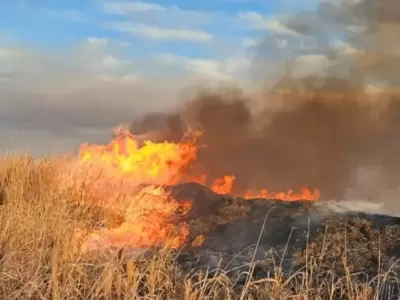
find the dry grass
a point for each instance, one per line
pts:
(38, 261)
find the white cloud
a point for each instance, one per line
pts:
(345, 47)
(260, 22)
(131, 7)
(281, 43)
(231, 69)
(165, 21)
(249, 42)
(98, 42)
(158, 33)
(208, 68)
(69, 15)
(72, 15)
(152, 12)
(236, 65)
(111, 62)
(310, 64)
(97, 53)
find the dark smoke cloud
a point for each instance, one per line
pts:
(328, 133)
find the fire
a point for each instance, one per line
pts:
(128, 162)
(148, 222)
(151, 163)
(290, 195)
(225, 186)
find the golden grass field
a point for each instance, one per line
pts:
(38, 259)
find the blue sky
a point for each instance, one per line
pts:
(99, 62)
(188, 28)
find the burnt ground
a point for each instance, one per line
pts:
(295, 234)
(285, 240)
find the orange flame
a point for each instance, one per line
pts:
(151, 163)
(148, 222)
(148, 217)
(225, 186)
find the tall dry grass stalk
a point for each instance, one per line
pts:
(39, 259)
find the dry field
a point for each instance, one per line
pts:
(39, 258)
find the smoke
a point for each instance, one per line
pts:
(324, 130)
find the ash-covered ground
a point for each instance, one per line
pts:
(289, 235)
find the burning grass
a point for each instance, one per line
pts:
(40, 258)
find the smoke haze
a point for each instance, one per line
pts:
(327, 130)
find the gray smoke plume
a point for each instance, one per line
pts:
(325, 130)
